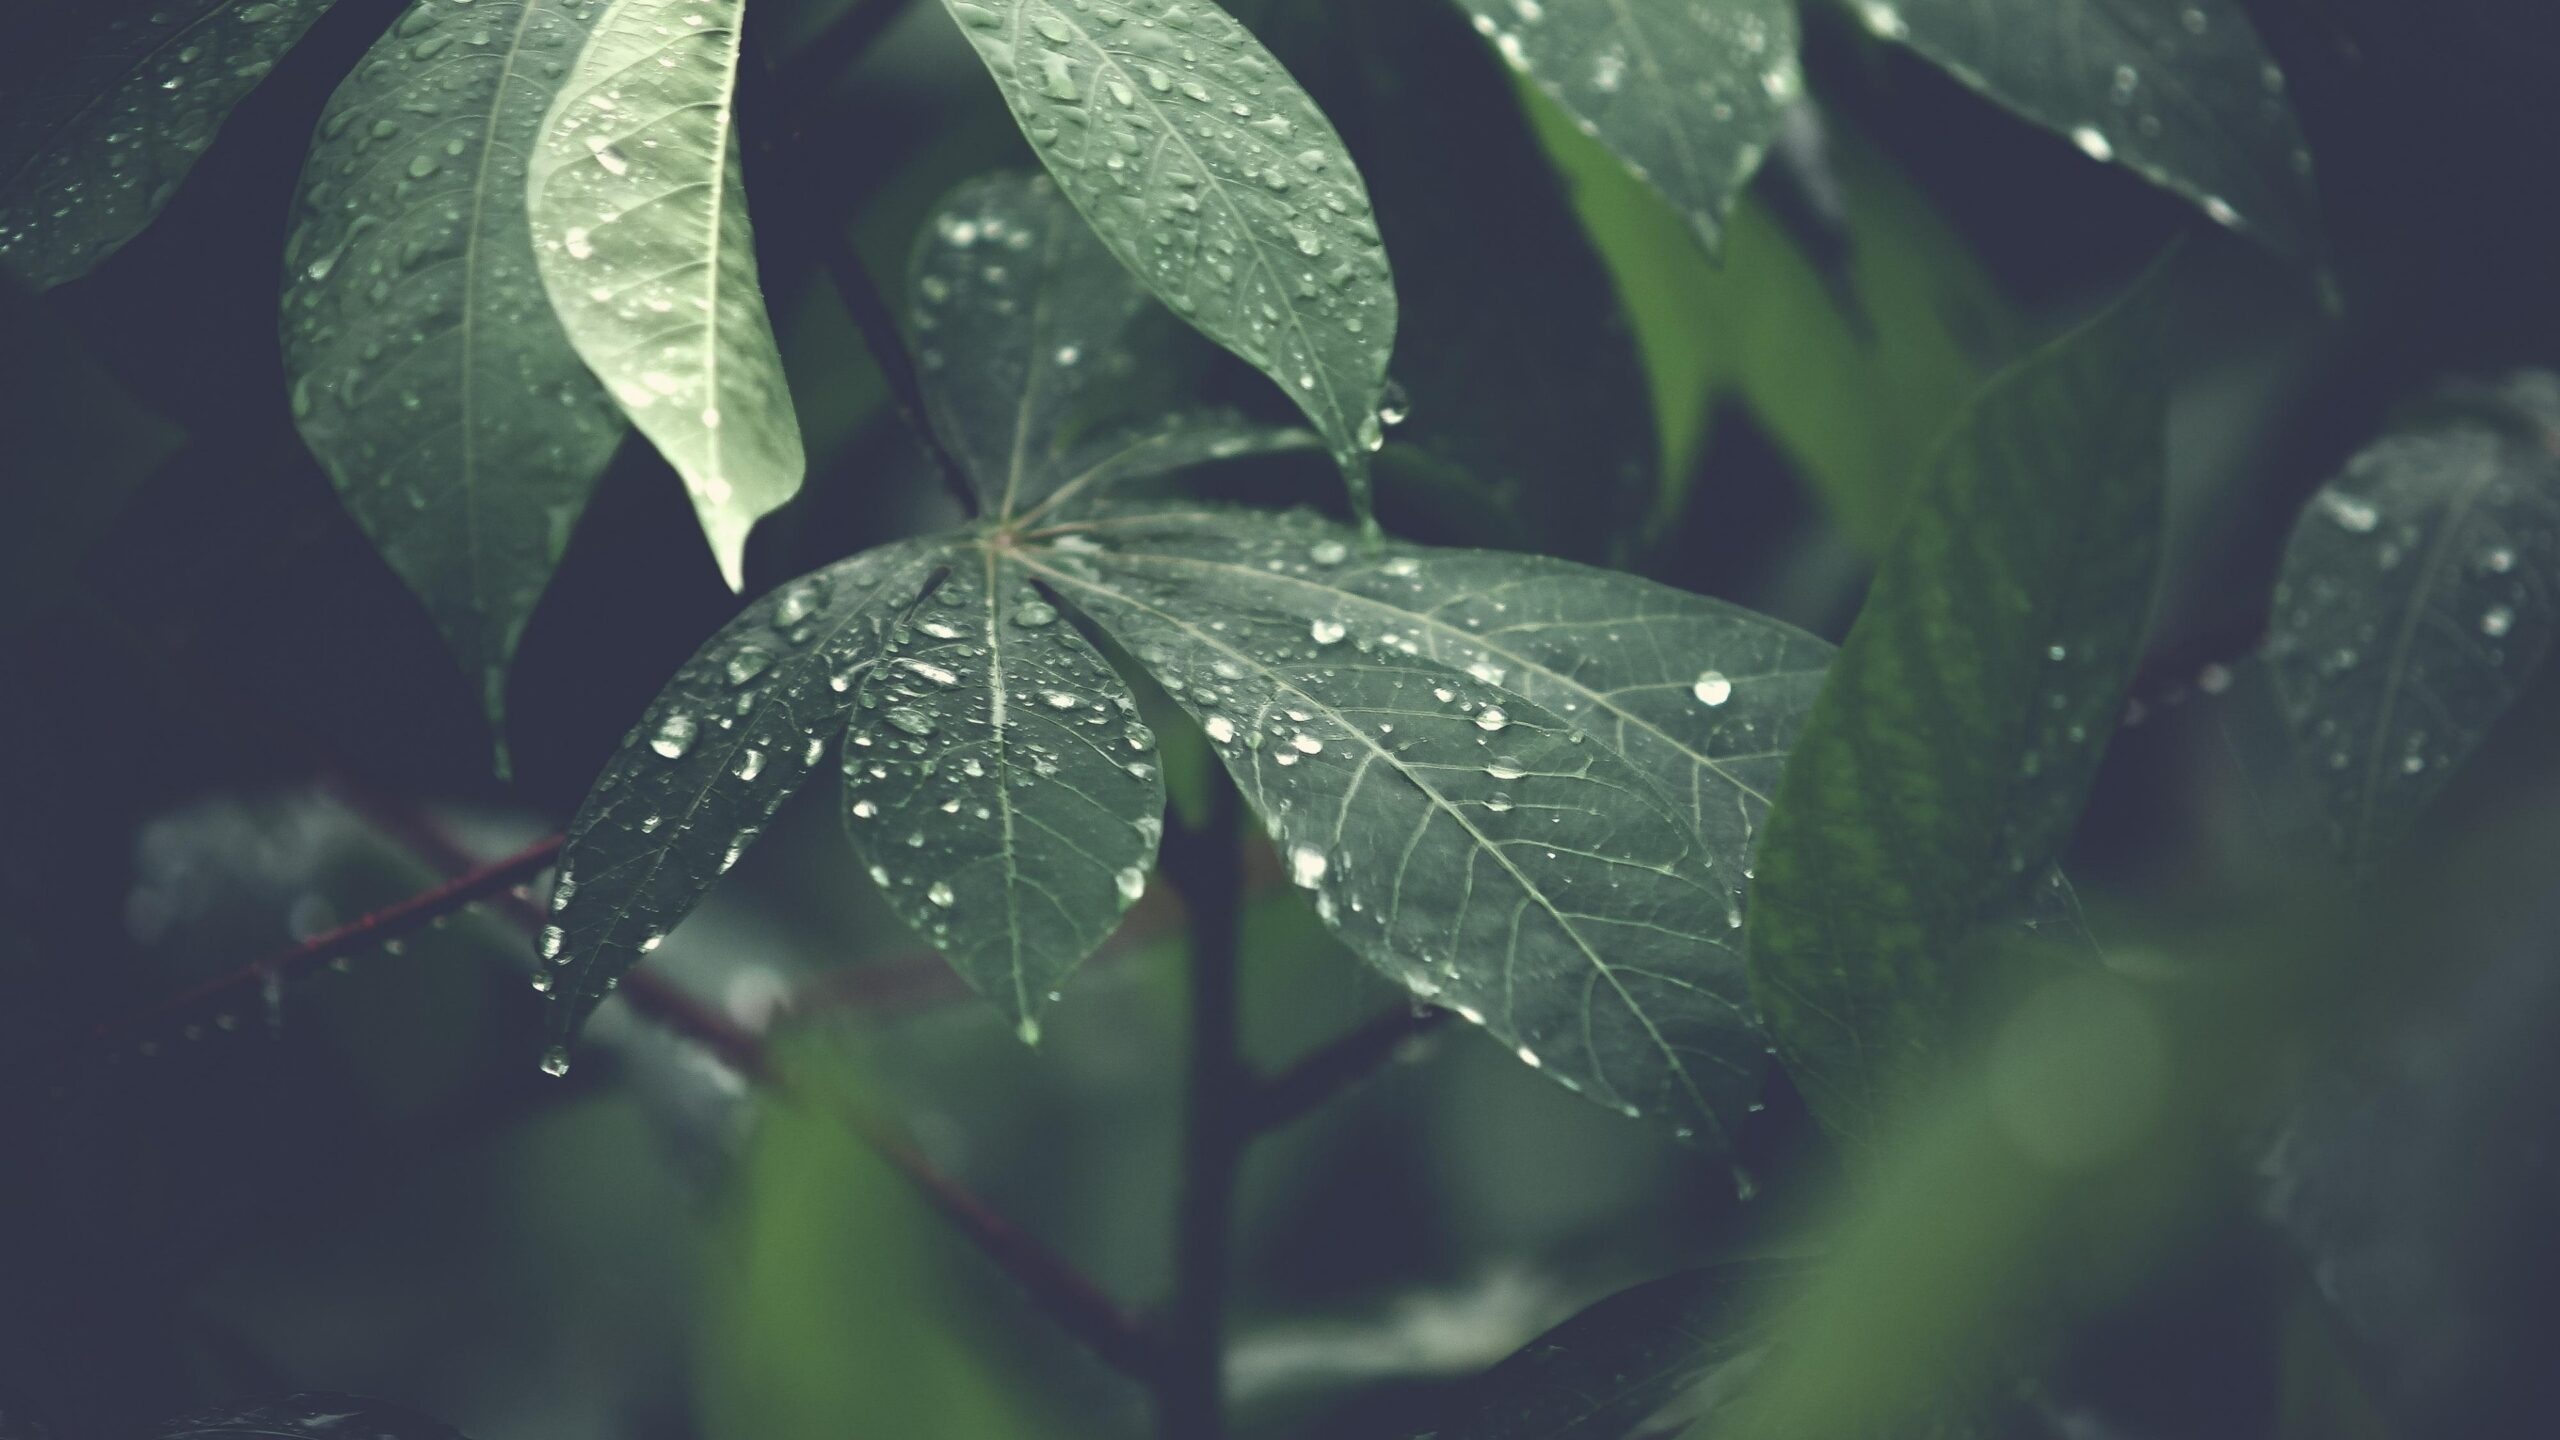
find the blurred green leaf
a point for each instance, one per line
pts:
(2419, 594)
(640, 225)
(1522, 788)
(823, 1309)
(2184, 95)
(428, 372)
(1214, 178)
(1854, 372)
(1948, 757)
(91, 151)
(1686, 95)
(1615, 1369)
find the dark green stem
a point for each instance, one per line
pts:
(1206, 866)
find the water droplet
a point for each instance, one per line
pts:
(555, 1061)
(1491, 718)
(1712, 688)
(2496, 621)
(1328, 632)
(1132, 883)
(675, 735)
(940, 895)
(1307, 866)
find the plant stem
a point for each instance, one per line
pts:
(879, 325)
(1208, 868)
(1325, 1074)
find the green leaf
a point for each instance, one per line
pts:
(1027, 330)
(2419, 593)
(1948, 757)
(91, 151)
(1686, 95)
(1001, 788)
(1517, 361)
(1216, 181)
(428, 372)
(740, 728)
(1852, 372)
(640, 223)
(1522, 788)
(1615, 1369)
(309, 1417)
(2184, 95)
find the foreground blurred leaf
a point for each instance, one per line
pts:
(91, 150)
(1616, 1368)
(309, 1417)
(2420, 592)
(428, 372)
(1026, 327)
(640, 223)
(1686, 95)
(1214, 178)
(1519, 368)
(1851, 371)
(1522, 788)
(2184, 95)
(63, 417)
(1947, 760)
(824, 1299)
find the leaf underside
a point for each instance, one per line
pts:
(91, 152)
(2186, 95)
(427, 369)
(640, 225)
(1216, 181)
(2419, 593)
(1688, 96)
(1948, 758)
(1513, 785)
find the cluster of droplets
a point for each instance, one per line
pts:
(1214, 176)
(1687, 96)
(166, 79)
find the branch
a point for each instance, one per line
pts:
(388, 923)
(1327, 1073)
(879, 326)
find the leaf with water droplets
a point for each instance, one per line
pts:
(2181, 92)
(1498, 773)
(640, 224)
(93, 148)
(1029, 340)
(1517, 365)
(428, 371)
(2419, 593)
(1216, 181)
(1948, 757)
(1623, 1361)
(740, 728)
(1001, 788)
(308, 1417)
(1687, 95)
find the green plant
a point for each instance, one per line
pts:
(1089, 596)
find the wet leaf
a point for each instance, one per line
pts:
(1522, 382)
(1948, 757)
(1028, 333)
(1615, 1369)
(1001, 788)
(1522, 788)
(309, 1417)
(2184, 95)
(640, 224)
(741, 727)
(1686, 95)
(92, 150)
(428, 372)
(2420, 592)
(1217, 182)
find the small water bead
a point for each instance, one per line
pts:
(1220, 729)
(1712, 688)
(940, 894)
(1307, 866)
(1491, 718)
(1306, 744)
(910, 719)
(750, 764)
(2496, 621)
(1132, 883)
(675, 735)
(1035, 614)
(1329, 552)
(1328, 632)
(555, 1061)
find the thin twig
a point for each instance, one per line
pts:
(1328, 1072)
(1209, 871)
(879, 325)
(389, 923)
